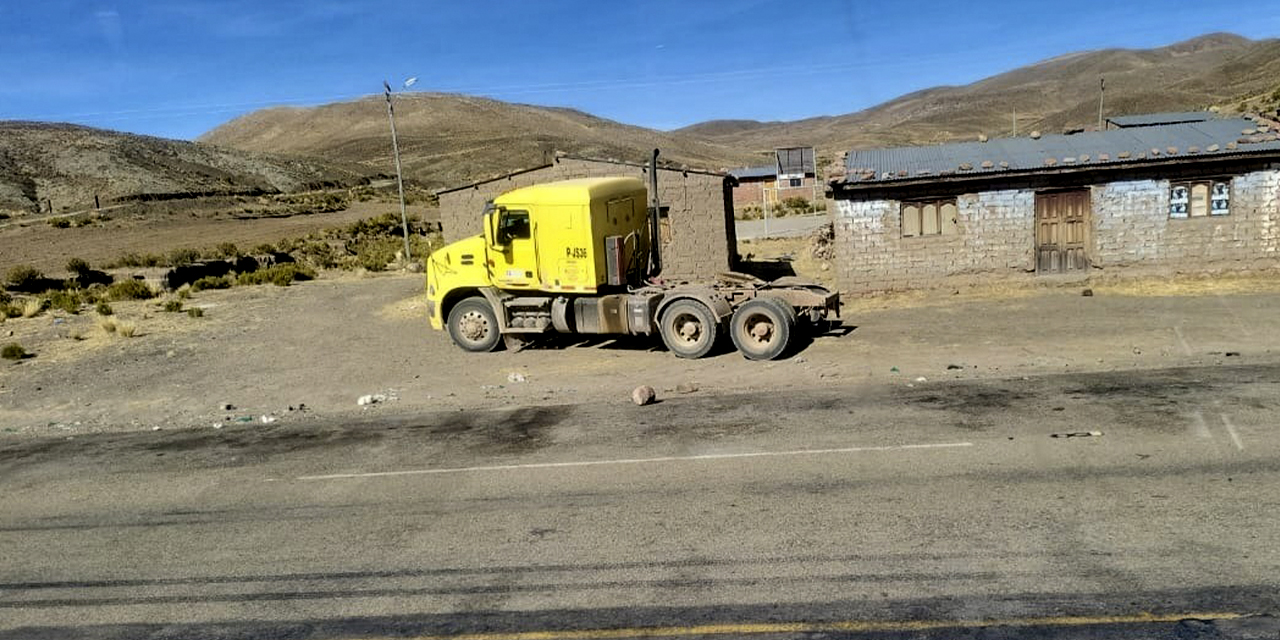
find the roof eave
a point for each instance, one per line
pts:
(843, 184)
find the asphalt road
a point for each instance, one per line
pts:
(885, 511)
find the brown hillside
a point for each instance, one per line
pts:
(69, 164)
(448, 139)
(1217, 69)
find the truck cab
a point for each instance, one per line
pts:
(577, 256)
(549, 238)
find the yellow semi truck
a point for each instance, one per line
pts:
(578, 257)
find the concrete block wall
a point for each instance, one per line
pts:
(1132, 228)
(701, 239)
(995, 236)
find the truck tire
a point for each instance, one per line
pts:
(473, 325)
(762, 328)
(689, 329)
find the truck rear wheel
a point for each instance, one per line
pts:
(473, 325)
(762, 328)
(689, 329)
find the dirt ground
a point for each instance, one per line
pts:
(48, 248)
(313, 349)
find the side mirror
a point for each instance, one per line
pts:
(496, 236)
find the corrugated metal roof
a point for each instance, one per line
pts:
(754, 172)
(1090, 149)
(1149, 119)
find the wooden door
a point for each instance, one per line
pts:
(1062, 231)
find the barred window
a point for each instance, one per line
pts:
(1200, 198)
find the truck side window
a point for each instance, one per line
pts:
(514, 225)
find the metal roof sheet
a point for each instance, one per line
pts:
(1090, 149)
(754, 172)
(795, 160)
(1149, 119)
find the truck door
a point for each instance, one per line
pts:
(516, 261)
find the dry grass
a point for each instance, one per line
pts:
(108, 324)
(32, 308)
(127, 329)
(1233, 283)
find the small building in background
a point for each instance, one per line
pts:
(793, 174)
(698, 235)
(1158, 194)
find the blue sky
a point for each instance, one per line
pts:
(178, 68)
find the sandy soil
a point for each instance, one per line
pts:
(324, 344)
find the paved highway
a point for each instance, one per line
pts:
(938, 510)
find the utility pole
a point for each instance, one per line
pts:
(1102, 90)
(1015, 123)
(395, 147)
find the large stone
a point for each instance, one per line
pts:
(643, 395)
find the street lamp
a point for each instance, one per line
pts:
(395, 147)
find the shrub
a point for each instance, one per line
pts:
(211, 282)
(78, 267)
(10, 311)
(195, 312)
(127, 329)
(280, 275)
(68, 301)
(13, 351)
(5, 298)
(59, 223)
(172, 306)
(26, 278)
(130, 290)
(107, 324)
(226, 250)
(183, 257)
(103, 308)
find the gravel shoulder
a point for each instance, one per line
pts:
(310, 351)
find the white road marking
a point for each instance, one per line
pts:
(1231, 431)
(1199, 427)
(597, 463)
(1186, 348)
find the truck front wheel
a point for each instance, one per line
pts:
(689, 329)
(761, 328)
(473, 325)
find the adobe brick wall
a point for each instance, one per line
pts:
(702, 240)
(1132, 228)
(1132, 232)
(995, 237)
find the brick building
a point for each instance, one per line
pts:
(697, 226)
(1152, 196)
(793, 174)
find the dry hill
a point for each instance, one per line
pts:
(1213, 70)
(68, 165)
(448, 139)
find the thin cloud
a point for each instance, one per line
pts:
(111, 28)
